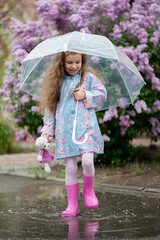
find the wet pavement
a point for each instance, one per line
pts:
(31, 209)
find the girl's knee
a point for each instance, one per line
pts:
(87, 162)
(71, 166)
(71, 169)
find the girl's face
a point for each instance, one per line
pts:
(73, 63)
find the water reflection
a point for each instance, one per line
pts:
(34, 212)
(89, 231)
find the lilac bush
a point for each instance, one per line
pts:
(135, 28)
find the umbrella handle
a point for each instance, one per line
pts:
(74, 133)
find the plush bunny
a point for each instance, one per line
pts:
(44, 155)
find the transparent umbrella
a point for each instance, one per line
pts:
(118, 73)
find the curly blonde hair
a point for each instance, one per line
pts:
(53, 80)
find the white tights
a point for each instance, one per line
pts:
(71, 167)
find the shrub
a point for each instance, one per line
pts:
(6, 137)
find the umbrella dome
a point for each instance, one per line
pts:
(118, 73)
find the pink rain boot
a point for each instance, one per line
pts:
(72, 193)
(90, 199)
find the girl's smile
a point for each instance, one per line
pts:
(73, 63)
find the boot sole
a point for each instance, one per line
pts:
(71, 215)
(91, 207)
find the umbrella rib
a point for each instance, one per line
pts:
(114, 49)
(29, 73)
(138, 75)
(65, 47)
(123, 81)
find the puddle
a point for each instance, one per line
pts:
(31, 209)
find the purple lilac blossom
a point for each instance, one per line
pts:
(20, 118)
(117, 88)
(125, 123)
(140, 105)
(155, 82)
(106, 138)
(35, 98)
(155, 125)
(9, 65)
(21, 54)
(25, 99)
(34, 109)
(100, 120)
(122, 102)
(156, 37)
(112, 112)
(10, 109)
(156, 105)
(6, 99)
(39, 129)
(8, 81)
(95, 59)
(2, 92)
(132, 113)
(21, 136)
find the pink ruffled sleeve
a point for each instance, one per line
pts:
(97, 93)
(49, 122)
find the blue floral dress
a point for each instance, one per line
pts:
(61, 122)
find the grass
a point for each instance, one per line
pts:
(61, 172)
(100, 181)
(108, 172)
(11, 169)
(38, 173)
(156, 166)
(138, 169)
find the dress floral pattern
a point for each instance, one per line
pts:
(61, 122)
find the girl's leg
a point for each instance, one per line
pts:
(88, 164)
(71, 170)
(72, 187)
(90, 198)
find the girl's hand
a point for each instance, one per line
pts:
(49, 137)
(79, 94)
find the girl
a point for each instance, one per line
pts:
(67, 81)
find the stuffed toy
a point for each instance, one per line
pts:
(44, 155)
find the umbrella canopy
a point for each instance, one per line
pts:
(118, 73)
